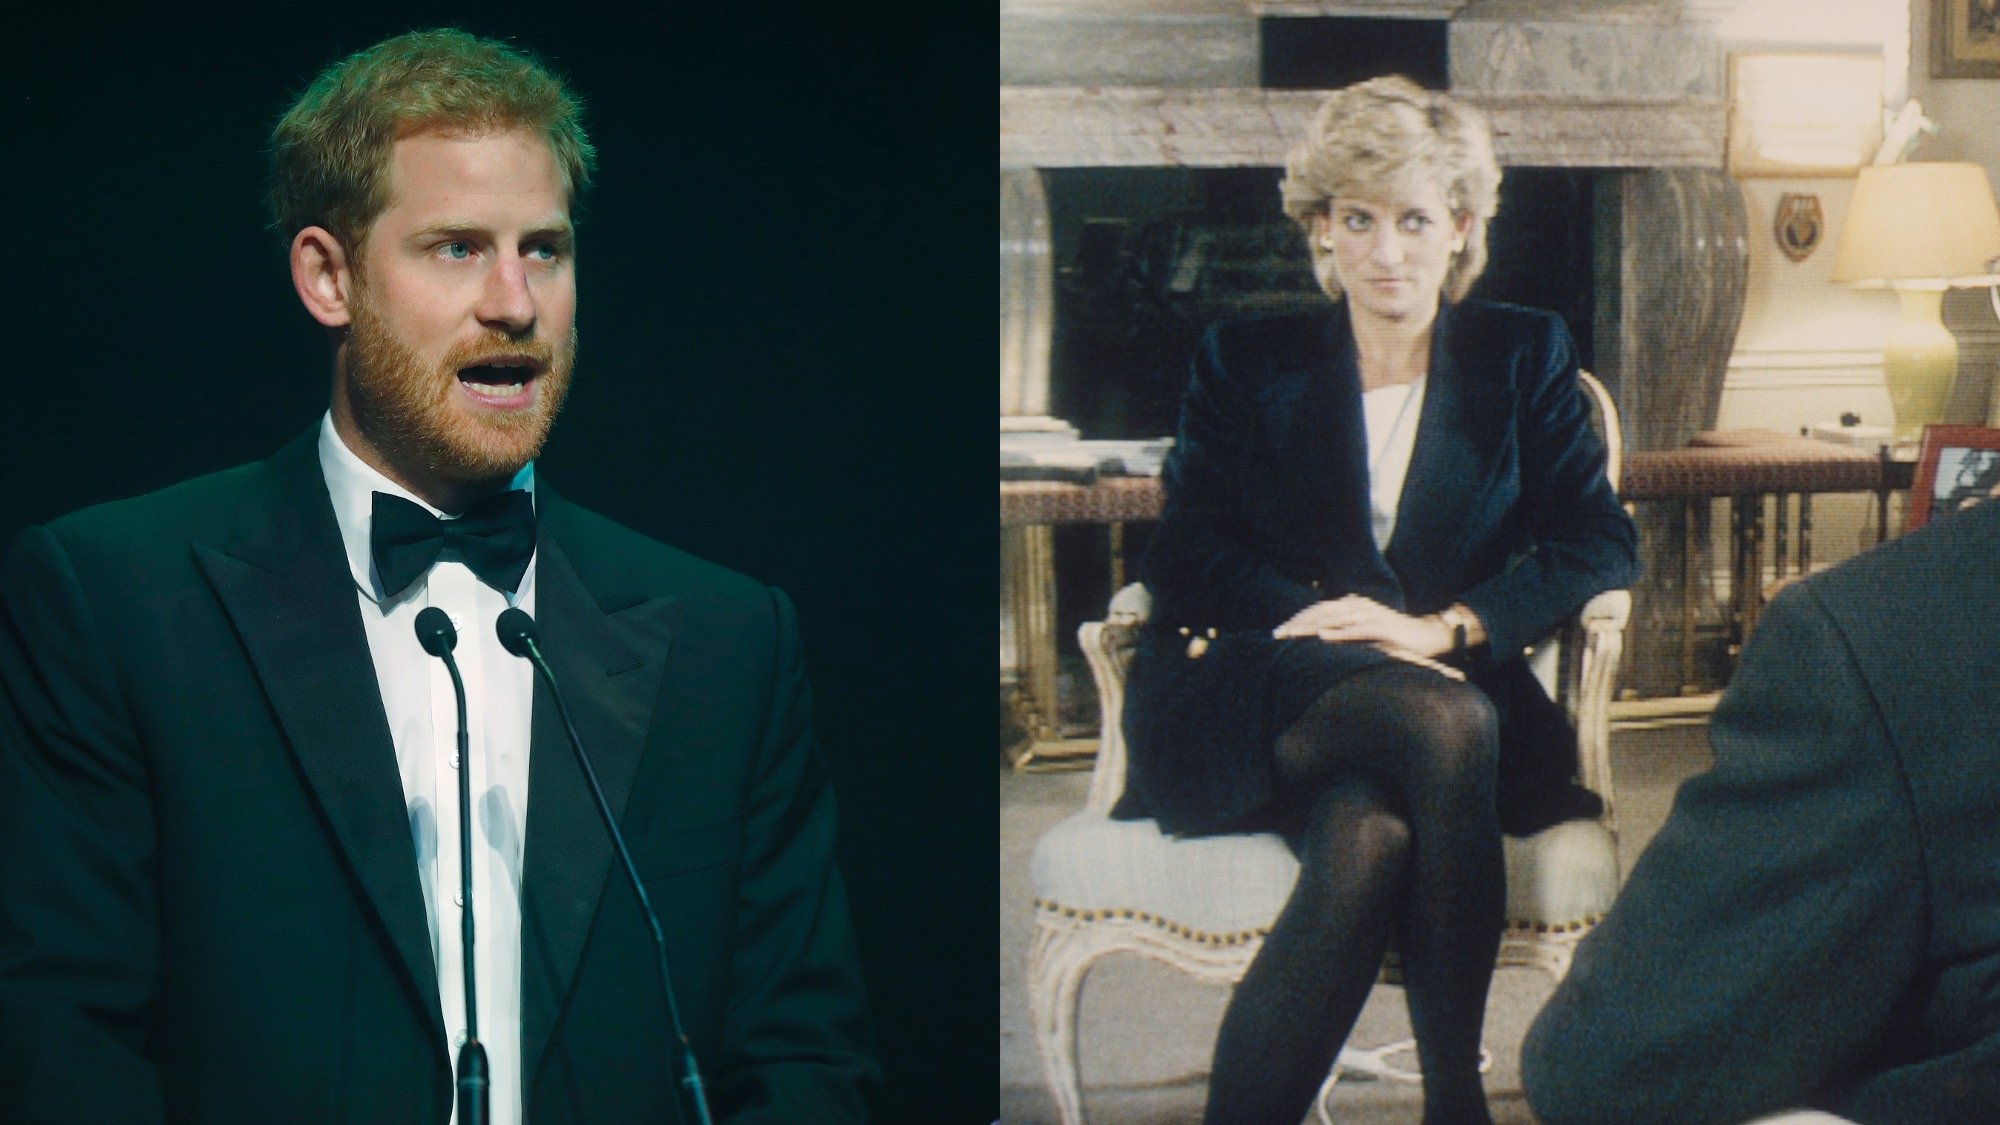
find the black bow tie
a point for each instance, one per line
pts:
(495, 537)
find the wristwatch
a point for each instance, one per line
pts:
(1460, 621)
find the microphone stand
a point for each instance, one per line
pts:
(435, 632)
(518, 635)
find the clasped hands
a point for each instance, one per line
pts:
(1353, 618)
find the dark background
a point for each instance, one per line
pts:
(785, 304)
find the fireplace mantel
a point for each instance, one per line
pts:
(1131, 126)
(1175, 83)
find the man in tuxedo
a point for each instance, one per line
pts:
(1818, 923)
(229, 826)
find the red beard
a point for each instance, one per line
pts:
(417, 418)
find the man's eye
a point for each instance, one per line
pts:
(544, 252)
(457, 251)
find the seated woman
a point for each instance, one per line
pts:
(1371, 511)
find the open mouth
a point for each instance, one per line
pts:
(500, 378)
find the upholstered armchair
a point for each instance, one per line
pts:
(1202, 906)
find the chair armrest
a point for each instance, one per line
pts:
(1599, 636)
(1107, 646)
(1612, 607)
(1131, 606)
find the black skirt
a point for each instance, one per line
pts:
(1202, 724)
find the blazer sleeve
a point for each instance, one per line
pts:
(794, 1044)
(1577, 539)
(1201, 561)
(79, 933)
(1767, 937)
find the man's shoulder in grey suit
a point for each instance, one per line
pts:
(1919, 620)
(1948, 560)
(1923, 607)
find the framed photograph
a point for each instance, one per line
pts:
(1965, 38)
(1957, 467)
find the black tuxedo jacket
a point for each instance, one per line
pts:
(209, 906)
(1818, 923)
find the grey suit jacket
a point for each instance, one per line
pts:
(1818, 924)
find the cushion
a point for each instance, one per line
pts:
(1213, 885)
(1562, 877)
(1228, 886)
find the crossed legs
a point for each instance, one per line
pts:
(1395, 767)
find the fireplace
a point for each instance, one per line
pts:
(1157, 212)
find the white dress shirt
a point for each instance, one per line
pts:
(1391, 414)
(423, 721)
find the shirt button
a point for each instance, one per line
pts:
(458, 898)
(457, 620)
(454, 761)
(458, 1040)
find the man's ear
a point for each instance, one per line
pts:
(323, 275)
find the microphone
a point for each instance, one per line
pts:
(519, 636)
(435, 633)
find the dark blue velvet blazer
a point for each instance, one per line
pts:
(1505, 508)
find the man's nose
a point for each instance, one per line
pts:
(506, 302)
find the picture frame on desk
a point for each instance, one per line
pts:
(1957, 467)
(1965, 39)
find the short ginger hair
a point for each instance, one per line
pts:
(1373, 138)
(329, 153)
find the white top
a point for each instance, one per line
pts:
(1391, 414)
(423, 722)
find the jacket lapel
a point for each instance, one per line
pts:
(1331, 443)
(283, 579)
(1451, 466)
(607, 649)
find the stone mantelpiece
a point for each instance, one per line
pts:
(1357, 9)
(1616, 51)
(1188, 43)
(1125, 126)
(1136, 83)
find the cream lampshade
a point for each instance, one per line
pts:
(1919, 229)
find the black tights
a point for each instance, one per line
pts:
(1393, 769)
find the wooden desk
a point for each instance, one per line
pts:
(1110, 500)
(1749, 468)
(1028, 510)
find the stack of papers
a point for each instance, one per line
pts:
(1065, 457)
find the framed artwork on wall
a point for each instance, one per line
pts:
(1965, 38)
(1797, 114)
(1957, 467)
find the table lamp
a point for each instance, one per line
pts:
(1919, 229)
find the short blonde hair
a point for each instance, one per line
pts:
(1371, 139)
(330, 151)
